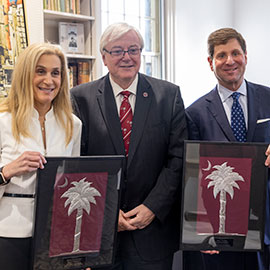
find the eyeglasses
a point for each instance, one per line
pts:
(121, 52)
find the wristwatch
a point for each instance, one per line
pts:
(3, 180)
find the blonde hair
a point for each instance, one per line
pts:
(20, 100)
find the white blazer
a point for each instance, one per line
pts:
(16, 214)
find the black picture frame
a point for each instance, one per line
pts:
(46, 213)
(231, 223)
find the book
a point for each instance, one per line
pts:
(73, 6)
(49, 6)
(80, 71)
(45, 4)
(78, 6)
(55, 5)
(70, 6)
(67, 9)
(86, 72)
(70, 77)
(73, 75)
(83, 72)
(62, 6)
(71, 37)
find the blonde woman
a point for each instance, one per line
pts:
(36, 120)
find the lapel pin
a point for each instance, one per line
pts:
(145, 94)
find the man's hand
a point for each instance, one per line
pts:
(139, 217)
(267, 153)
(123, 223)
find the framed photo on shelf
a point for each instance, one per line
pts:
(13, 40)
(71, 37)
(76, 215)
(223, 196)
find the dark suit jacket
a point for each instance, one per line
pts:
(153, 171)
(207, 121)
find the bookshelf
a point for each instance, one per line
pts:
(52, 16)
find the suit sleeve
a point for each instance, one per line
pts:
(166, 191)
(78, 111)
(193, 130)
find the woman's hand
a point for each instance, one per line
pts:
(27, 162)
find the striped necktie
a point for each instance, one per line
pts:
(126, 119)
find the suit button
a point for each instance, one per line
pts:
(124, 207)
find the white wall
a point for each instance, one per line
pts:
(196, 19)
(34, 20)
(253, 21)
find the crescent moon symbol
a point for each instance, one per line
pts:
(65, 184)
(209, 166)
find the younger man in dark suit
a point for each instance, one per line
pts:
(151, 138)
(211, 118)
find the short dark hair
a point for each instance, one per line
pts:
(222, 36)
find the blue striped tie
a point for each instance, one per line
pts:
(238, 120)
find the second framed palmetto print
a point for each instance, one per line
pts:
(76, 212)
(226, 211)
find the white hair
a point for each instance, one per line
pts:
(115, 31)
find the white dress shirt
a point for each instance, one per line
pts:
(227, 100)
(16, 214)
(118, 97)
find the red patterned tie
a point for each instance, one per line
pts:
(126, 119)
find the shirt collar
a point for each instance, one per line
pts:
(117, 89)
(48, 115)
(225, 93)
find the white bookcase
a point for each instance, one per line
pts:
(43, 26)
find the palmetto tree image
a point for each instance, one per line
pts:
(80, 197)
(223, 181)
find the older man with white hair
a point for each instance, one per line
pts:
(128, 113)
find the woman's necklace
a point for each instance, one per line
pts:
(42, 127)
(43, 131)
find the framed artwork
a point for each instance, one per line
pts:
(71, 37)
(76, 216)
(13, 39)
(227, 209)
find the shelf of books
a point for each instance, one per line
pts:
(69, 6)
(70, 24)
(79, 72)
(52, 15)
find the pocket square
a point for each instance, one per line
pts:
(263, 120)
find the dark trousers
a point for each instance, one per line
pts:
(15, 253)
(127, 257)
(264, 258)
(195, 260)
